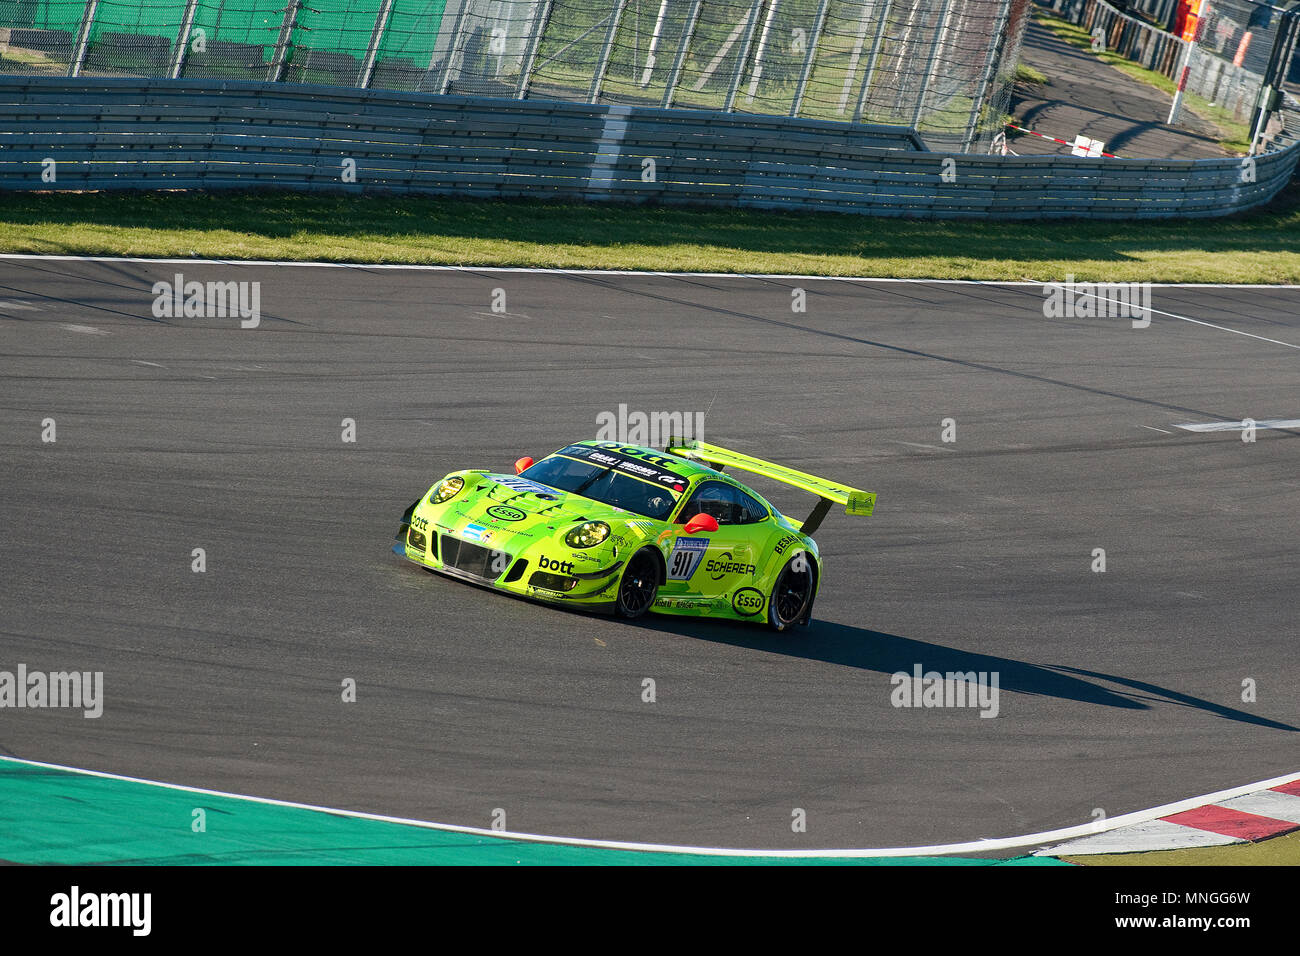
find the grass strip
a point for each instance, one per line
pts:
(1261, 247)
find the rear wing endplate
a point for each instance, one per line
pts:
(855, 501)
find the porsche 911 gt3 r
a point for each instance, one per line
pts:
(604, 526)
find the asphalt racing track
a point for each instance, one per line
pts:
(1119, 690)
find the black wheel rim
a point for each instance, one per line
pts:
(793, 589)
(640, 581)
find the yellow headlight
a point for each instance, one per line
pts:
(447, 489)
(587, 535)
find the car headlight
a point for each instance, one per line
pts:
(587, 535)
(447, 489)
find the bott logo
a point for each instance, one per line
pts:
(559, 567)
(747, 601)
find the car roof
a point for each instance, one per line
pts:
(692, 471)
(683, 466)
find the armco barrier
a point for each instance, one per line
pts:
(191, 134)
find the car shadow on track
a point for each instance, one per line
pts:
(865, 649)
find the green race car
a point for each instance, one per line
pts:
(604, 526)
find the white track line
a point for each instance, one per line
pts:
(1262, 425)
(418, 267)
(977, 846)
(683, 275)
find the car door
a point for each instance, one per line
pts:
(714, 565)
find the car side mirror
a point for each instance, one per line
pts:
(523, 463)
(701, 522)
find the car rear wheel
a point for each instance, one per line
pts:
(792, 594)
(639, 585)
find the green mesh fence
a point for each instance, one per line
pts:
(937, 65)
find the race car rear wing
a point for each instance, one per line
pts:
(855, 501)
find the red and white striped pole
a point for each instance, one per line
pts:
(1202, 15)
(1063, 142)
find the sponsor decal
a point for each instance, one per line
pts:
(476, 532)
(784, 543)
(747, 601)
(629, 461)
(685, 557)
(523, 485)
(722, 565)
(419, 524)
(682, 604)
(506, 513)
(559, 567)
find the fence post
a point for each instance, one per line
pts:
(372, 51)
(1275, 73)
(453, 47)
(806, 72)
(602, 65)
(679, 61)
(861, 105)
(990, 65)
(730, 101)
(183, 39)
(283, 42)
(83, 38)
(534, 44)
(757, 73)
(939, 39)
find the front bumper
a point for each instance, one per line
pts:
(537, 572)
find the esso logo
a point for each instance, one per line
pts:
(506, 513)
(747, 601)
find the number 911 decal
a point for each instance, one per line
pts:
(685, 557)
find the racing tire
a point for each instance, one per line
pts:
(792, 594)
(639, 585)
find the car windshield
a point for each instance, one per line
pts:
(600, 482)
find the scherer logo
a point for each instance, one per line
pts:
(652, 429)
(211, 300)
(82, 690)
(722, 565)
(1098, 300)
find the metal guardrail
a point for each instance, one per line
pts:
(944, 66)
(67, 134)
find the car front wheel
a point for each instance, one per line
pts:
(639, 585)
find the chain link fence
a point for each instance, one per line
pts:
(943, 67)
(1232, 53)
